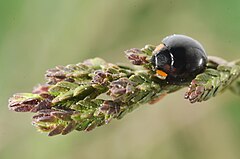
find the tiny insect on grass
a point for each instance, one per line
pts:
(92, 93)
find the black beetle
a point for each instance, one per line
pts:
(179, 59)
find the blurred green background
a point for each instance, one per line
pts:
(38, 34)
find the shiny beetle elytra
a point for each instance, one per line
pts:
(179, 59)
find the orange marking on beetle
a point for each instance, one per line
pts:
(161, 73)
(158, 48)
